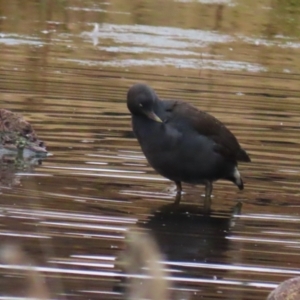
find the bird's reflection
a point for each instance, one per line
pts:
(184, 234)
(191, 233)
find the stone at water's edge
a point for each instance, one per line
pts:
(16, 133)
(287, 290)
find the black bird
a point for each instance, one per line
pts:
(183, 143)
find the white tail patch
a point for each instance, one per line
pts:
(237, 177)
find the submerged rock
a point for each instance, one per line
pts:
(287, 290)
(16, 134)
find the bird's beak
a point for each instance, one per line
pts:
(151, 115)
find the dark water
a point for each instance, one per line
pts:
(67, 65)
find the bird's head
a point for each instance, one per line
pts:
(141, 100)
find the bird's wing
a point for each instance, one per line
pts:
(207, 125)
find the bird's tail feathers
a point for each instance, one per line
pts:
(237, 179)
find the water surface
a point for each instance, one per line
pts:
(67, 65)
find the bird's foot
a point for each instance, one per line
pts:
(237, 209)
(207, 204)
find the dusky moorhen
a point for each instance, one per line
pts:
(183, 143)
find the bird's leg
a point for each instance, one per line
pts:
(178, 192)
(207, 199)
(178, 187)
(208, 189)
(237, 209)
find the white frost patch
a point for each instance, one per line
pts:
(199, 64)
(155, 36)
(15, 40)
(226, 2)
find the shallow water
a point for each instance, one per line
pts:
(67, 65)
